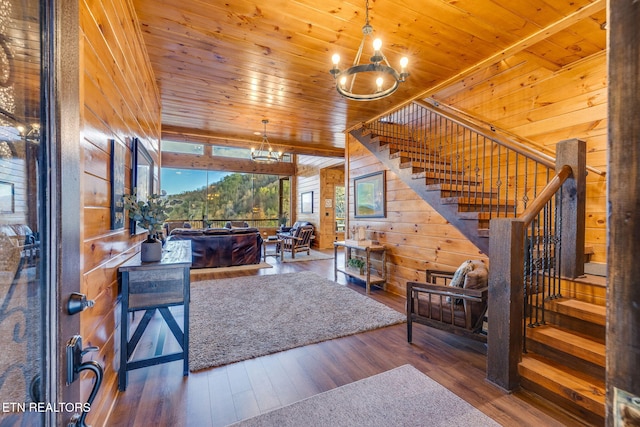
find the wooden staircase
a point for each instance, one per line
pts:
(565, 358)
(445, 189)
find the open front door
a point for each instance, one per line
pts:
(40, 234)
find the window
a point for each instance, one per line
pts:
(210, 198)
(340, 208)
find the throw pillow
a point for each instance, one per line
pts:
(477, 278)
(459, 277)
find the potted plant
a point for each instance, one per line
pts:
(356, 264)
(149, 214)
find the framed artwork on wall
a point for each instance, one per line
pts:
(370, 196)
(141, 175)
(118, 151)
(7, 198)
(306, 203)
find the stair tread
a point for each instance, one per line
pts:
(570, 343)
(472, 200)
(485, 215)
(588, 392)
(583, 310)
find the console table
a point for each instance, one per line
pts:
(367, 277)
(152, 286)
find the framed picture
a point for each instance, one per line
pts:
(370, 196)
(141, 175)
(306, 204)
(118, 151)
(7, 199)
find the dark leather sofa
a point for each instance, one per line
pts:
(221, 247)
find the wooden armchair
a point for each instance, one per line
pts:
(460, 310)
(299, 241)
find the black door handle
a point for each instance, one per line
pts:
(75, 365)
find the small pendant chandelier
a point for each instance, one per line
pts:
(387, 81)
(264, 153)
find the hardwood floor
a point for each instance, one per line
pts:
(161, 396)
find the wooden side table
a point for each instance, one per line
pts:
(272, 242)
(152, 286)
(367, 277)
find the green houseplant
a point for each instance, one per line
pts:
(356, 264)
(149, 214)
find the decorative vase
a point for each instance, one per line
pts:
(151, 250)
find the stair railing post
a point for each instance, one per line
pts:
(506, 302)
(572, 152)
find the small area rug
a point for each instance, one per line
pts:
(302, 256)
(246, 317)
(402, 396)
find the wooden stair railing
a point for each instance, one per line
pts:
(510, 202)
(556, 224)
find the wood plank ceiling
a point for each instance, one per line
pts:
(222, 67)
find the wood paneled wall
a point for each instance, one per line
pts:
(326, 233)
(521, 96)
(546, 104)
(308, 178)
(120, 101)
(416, 236)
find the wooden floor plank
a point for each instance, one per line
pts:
(160, 395)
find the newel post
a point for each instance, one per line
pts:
(572, 152)
(506, 302)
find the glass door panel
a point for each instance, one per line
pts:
(21, 289)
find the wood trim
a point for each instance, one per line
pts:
(194, 161)
(196, 136)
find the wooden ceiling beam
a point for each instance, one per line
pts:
(197, 136)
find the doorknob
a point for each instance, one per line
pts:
(78, 302)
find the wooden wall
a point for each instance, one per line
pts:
(546, 104)
(416, 236)
(308, 178)
(521, 96)
(120, 102)
(326, 233)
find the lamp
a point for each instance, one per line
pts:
(379, 66)
(264, 153)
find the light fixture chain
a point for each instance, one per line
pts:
(366, 9)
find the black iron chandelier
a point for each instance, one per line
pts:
(387, 79)
(264, 153)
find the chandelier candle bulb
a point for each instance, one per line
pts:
(378, 65)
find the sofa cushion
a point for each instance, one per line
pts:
(187, 231)
(247, 230)
(216, 231)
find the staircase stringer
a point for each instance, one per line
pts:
(468, 227)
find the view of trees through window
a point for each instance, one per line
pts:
(215, 197)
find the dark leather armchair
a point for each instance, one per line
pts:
(289, 231)
(298, 241)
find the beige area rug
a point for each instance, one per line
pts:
(402, 396)
(250, 267)
(241, 318)
(302, 256)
